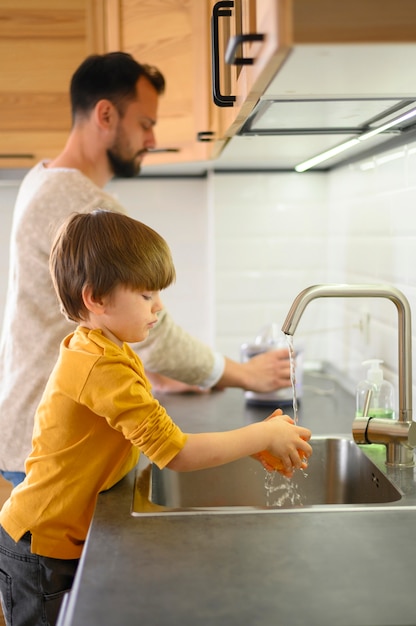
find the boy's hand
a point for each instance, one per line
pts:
(291, 451)
(274, 464)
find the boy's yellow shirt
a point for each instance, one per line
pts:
(96, 414)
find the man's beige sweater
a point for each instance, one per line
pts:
(33, 325)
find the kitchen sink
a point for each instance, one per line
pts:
(339, 474)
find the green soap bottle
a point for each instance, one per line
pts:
(382, 398)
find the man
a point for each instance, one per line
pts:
(114, 104)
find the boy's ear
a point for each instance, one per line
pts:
(92, 304)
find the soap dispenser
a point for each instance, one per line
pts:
(375, 396)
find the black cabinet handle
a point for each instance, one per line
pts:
(205, 135)
(221, 9)
(233, 45)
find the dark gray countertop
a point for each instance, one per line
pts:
(350, 568)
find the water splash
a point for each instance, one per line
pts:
(281, 491)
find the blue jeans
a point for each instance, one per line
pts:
(32, 587)
(13, 477)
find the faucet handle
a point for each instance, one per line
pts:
(412, 435)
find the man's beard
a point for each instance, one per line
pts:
(123, 168)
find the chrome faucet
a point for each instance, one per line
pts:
(394, 434)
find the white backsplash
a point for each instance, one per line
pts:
(278, 233)
(245, 245)
(178, 210)
(271, 233)
(8, 192)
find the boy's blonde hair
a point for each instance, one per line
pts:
(104, 249)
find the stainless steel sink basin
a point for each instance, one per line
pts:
(339, 474)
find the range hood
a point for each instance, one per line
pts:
(322, 97)
(333, 116)
(336, 124)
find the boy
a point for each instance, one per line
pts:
(97, 411)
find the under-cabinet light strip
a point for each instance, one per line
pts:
(324, 156)
(328, 154)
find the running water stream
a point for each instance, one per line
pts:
(292, 358)
(279, 489)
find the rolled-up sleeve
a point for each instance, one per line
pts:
(127, 404)
(171, 351)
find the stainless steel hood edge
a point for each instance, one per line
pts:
(322, 96)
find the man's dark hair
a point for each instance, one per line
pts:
(112, 76)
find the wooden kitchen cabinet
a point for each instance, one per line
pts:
(43, 41)
(177, 35)
(41, 44)
(174, 36)
(266, 24)
(287, 24)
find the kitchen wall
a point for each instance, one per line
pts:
(271, 241)
(178, 209)
(246, 244)
(278, 233)
(372, 238)
(8, 192)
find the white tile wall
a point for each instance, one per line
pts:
(178, 210)
(8, 192)
(377, 199)
(271, 233)
(278, 233)
(246, 244)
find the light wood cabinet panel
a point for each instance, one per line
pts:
(369, 21)
(41, 44)
(43, 41)
(174, 37)
(270, 19)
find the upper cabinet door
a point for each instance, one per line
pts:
(256, 37)
(251, 39)
(174, 36)
(41, 44)
(43, 41)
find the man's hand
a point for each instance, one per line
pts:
(268, 371)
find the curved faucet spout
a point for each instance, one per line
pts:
(399, 436)
(368, 291)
